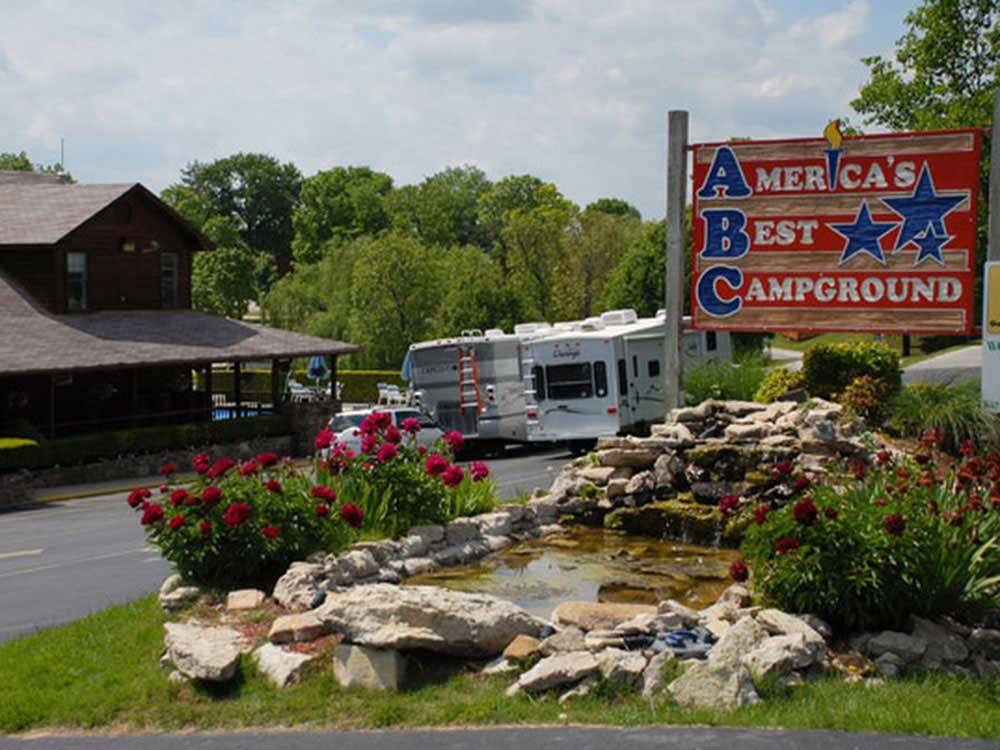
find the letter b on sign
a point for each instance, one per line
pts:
(725, 237)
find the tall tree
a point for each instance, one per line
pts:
(476, 294)
(520, 194)
(595, 244)
(443, 209)
(256, 190)
(340, 203)
(224, 279)
(615, 207)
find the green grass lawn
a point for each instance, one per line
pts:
(102, 673)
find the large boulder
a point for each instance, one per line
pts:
(299, 626)
(782, 654)
(744, 636)
(280, 666)
(636, 458)
(174, 593)
(907, 647)
(373, 668)
(716, 686)
(555, 671)
(426, 617)
(598, 615)
(204, 652)
(299, 587)
(943, 646)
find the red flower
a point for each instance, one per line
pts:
(135, 497)
(205, 528)
(327, 494)
(975, 504)
(193, 500)
(368, 443)
(881, 501)
(167, 469)
(883, 457)
(176, 522)
(805, 512)
(273, 485)
(411, 425)
(436, 464)
(236, 513)
(782, 468)
(922, 458)
(801, 484)
(164, 489)
(271, 532)
(386, 453)
(201, 463)
(322, 510)
(211, 496)
(151, 514)
(967, 448)
(381, 419)
(220, 467)
(739, 571)
(454, 440)
(267, 459)
(177, 497)
(250, 467)
(392, 435)
(954, 517)
(932, 437)
(760, 514)
(324, 438)
(352, 515)
(422, 451)
(728, 504)
(894, 524)
(830, 512)
(479, 471)
(786, 544)
(859, 468)
(453, 476)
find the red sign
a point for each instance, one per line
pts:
(871, 233)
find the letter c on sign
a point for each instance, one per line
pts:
(707, 293)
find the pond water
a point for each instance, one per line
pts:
(593, 564)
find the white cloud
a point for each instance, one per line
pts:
(574, 91)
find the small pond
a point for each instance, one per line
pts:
(593, 564)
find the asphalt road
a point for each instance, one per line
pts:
(510, 738)
(61, 561)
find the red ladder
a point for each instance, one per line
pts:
(468, 380)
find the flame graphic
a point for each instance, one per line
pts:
(832, 133)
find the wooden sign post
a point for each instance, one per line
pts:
(676, 246)
(990, 374)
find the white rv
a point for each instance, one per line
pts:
(473, 383)
(604, 376)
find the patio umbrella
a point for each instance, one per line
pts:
(317, 367)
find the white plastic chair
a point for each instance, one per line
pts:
(383, 393)
(394, 396)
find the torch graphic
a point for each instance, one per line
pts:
(832, 134)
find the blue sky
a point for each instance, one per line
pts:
(574, 91)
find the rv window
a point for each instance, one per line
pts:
(622, 378)
(654, 368)
(600, 379)
(569, 381)
(711, 342)
(538, 375)
(635, 366)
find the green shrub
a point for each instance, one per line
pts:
(866, 397)
(242, 525)
(396, 484)
(830, 368)
(872, 552)
(777, 383)
(956, 410)
(724, 380)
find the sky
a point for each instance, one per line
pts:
(573, 91)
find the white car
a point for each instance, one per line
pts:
(345, 426)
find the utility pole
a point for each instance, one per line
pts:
(677, 154)
(993, 242)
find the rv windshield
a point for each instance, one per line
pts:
(346, 421)
(569, 381)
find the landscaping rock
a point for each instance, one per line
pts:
(715, 686)
(461, 530)
(777, 622)
(637, 459)
(586, 686)
(522, 648)
(688, 616)
(426, 617)
(358, 564)
(556, 671)
(654, 679)
(599, 475)
(623, 667)
(299, 627)
(174, 594)
(494, 524)
(906, 647)
(615, 488)
(373, 668)
(202, 652)
(565, 639)
(500, 665)
(643, 482)
(889, 665)
(299, 586)
(598, 615)
(670, 519)
(736, 594)
(244, 599)
(985, 642)
(745, 635)
(943, 646)
(280, 666)
(416, 566)
(781, 654)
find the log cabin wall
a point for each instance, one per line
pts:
(31, 267)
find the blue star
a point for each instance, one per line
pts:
(863, 235)
(922, 208)
(930, 243)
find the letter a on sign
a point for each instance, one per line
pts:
(724, 174)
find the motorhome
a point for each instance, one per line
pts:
(473, 383)
(605, 376)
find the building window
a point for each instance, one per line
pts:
(654, 368)
(711, 341)
(76, 282)
(168, 279)
(569, 381)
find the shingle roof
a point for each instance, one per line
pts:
(43, 214)
(35, 341)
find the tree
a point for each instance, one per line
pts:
(11, 162)
(595, 245)
(476, 295)
(443, 209)
(340, 203)
(223, 282)
(256, 190)
(615, 207)
(946, 70)
(517, 193)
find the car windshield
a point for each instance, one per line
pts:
(425, 421)
(346, 422)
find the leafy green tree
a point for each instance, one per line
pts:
(19, 162)
(223, 281)
(256, 190)
(595, 245)
(476, 294)
(340, 203)
(520, 194)
(615, 207)
(443, 209)
(944, 75)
